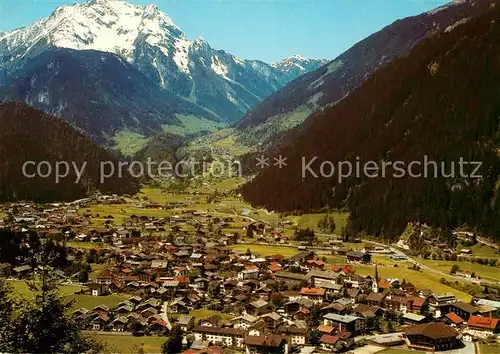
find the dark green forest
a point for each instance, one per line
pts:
(441, 101)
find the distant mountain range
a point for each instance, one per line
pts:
(28, 134)
(440, 103)
(288, 108)
(190, 77)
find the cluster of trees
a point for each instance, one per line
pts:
(18, 248)
(408, 111)
(327, 223)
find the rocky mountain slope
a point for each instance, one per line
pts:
(98, 93)
(292, 105)
(439, 104)
(28, 134)
(222, 85)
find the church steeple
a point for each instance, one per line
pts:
(376, 273)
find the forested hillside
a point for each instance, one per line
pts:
(441, 101)
(30, 135)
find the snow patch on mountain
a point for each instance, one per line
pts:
(218, 67)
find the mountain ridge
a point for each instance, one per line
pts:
(147, 38)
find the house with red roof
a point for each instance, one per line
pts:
(418, 304)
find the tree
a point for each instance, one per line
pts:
(83, 276)
(327, 223)
(315, 316)
(314, 337)
(454, 268)
(92, 256)
(6, 311)
(174, 342)
(214, 289)
(425, 310)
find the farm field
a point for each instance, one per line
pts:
(482, 250)
(204, 313)
(116, 343)
(86, 245)
(128, 143)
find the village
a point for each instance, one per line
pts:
(234, 282)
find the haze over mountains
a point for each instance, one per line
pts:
(196, 80)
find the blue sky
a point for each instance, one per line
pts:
(268, 30)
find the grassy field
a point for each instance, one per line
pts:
(225, 140)
(229, 183)
(267, 250)
(121, 213)
(130, 344)
(81, 300)
(86, 245)
(204, 313)
(492, 273)
(482, 250)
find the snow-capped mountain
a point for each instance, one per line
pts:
(222, 84)
(297, 65)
